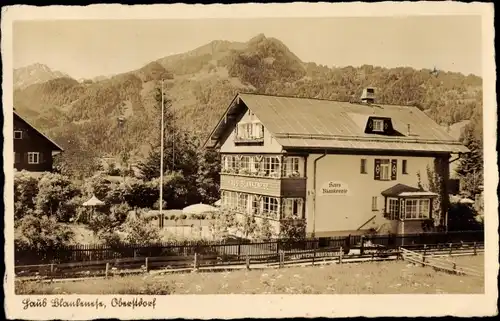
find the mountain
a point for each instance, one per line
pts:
(34, 74)
(200, 83)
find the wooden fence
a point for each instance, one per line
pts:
(235, 248)
(179, 263)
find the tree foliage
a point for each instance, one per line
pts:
(470, 169)
(54, 192)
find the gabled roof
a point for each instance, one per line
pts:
(325, 124)
(54, 144)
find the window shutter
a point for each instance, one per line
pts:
(25, 158)
(394, 169)
(376, 171)
(42, 158)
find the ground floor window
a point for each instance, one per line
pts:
(230, 199)
(243, 202)
(292, 207)
(408, 209)
(33, 158)
(270, 207)
(393, 208)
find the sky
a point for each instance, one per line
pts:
(90, 48)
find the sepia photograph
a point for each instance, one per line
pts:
(149, 157)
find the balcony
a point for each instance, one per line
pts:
(249, 140)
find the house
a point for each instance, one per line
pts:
(33, 151)
(342, 167)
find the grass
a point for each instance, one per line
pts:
(395, 277)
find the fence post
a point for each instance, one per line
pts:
(314, 253)
(51, 271)
(475, 249)
(196, 261)
(107, 270)
(146, 264)
(361, 249)
(451, 248)
(341, 254)
(281, 259)
(239, 250)
(423, 256)
(247, 261)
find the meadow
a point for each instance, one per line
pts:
(393, 277)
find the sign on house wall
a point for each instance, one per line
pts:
(334, 188)
(250, 185)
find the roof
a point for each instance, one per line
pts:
(402, 190)
(398, 189)
(324, 124)
(54, 144)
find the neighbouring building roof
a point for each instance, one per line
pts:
(324, 124)
(53, 143)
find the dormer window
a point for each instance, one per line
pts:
(378, 125)
(18, 134)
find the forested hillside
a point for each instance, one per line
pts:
(200, 84)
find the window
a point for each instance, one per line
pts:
(404, 166)
(243, 203)
(229, 199)
(363, 166)
(18, 134)
(255, 164)
(370, 90)
(378, 125)
(292, 207)
(292, 167)
(374, 203)
(253, 130)
(271, 166)
(230, 163)
(244, 165)
(393, 209)
(385, 169)
(270, 207)
(417, 209)
(256, 201)
(33, 158)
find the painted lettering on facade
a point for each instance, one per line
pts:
(250, 185)
(334, 188)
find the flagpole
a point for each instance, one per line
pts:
(161, 155)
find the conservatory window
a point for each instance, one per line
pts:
(272, 166)
(292, 207)
(292, 167)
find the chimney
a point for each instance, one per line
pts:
(368, 95)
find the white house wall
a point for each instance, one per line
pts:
(349, 212)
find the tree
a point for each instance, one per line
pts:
(470, 168)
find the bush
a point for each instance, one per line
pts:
(183, 216)
(54, 191)
(25, 192)
(292, 229)
(140, 231)
(41, 232)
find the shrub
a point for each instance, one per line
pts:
(292, 229)
(25, 192)
(173, 217)
(41, 232)
(140, 231)
(54, 190)
(183, 216)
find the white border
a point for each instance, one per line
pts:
(233, 306)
